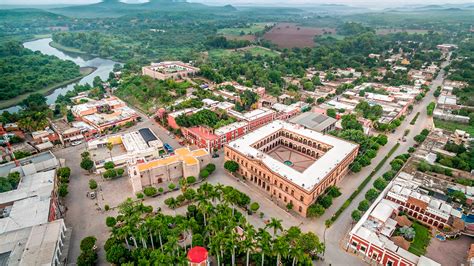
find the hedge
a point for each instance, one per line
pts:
(362, 185)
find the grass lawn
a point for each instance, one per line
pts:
(45, 91)
(451, 126)
(252, 29)
(421, 241)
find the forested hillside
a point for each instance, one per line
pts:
(23, 71)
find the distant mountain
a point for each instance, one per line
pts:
(115, 8)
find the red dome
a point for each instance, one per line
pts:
(197, 254)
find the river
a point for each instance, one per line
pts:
(103, 68)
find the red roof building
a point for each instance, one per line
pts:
(197, 256)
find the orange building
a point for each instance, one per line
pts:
(290, 163)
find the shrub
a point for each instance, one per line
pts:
(109, 165)
(356, 215)
(191, 179)
(110, 221)
(289, 206)
(92, 184)
(161, 190)
(149, 191)
(171, 186)
(382, 139)
(139, 195)
(180, 198)
(411, 150)
(203, 174)
(356, 167)
(62, 190)
(315, 210)
(254, 206)
(363, 205)
(111, 173)
(120, 172)
(107, 207)
(88, 243)
(371, 194)
(380, 183)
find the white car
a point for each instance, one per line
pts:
(75, 143)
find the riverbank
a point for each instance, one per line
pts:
(65, 48)
(47, 90)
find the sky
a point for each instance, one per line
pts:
(365, 3)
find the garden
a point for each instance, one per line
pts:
(140, 235)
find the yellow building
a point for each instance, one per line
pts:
(183, 163)
(290, 163)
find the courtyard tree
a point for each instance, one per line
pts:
(315, 210)
(110, 147)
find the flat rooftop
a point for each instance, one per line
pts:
(40, 161)
(29, 203)
(315, 173)
(34, 245)
(314, 121)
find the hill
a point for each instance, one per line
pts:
(115, 8)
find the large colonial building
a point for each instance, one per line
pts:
(292, 164)
(169, 70)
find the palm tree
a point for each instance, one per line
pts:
(280, 248)
(203, 206)
(248, 243)
(110, 146)
(276, 225)
(264, 243)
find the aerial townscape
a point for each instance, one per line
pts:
(168, 132)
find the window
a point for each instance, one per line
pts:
(390, 262)
(363, 248)
(300, 209)
(354, 244)
(301, 198)
(292, 192)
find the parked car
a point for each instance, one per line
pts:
(215, 155)
(75, 143)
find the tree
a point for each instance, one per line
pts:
(380, 184)
(231, 166)
(109, 165)
(326, 201)
(408, 232)
(64, 172)
(110, 221)
(331, 112)
(350, 122)
(87, 164)
(203, 174)
(371, 194)
(88, 243)
(190, 179)
(274, 224)
(315, 210)
(356, 215)
(149, 191)
(363, 205)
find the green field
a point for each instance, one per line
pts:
(14, 101)
(251, 29)
(421, 241)
(451, 126)
(255, 51)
